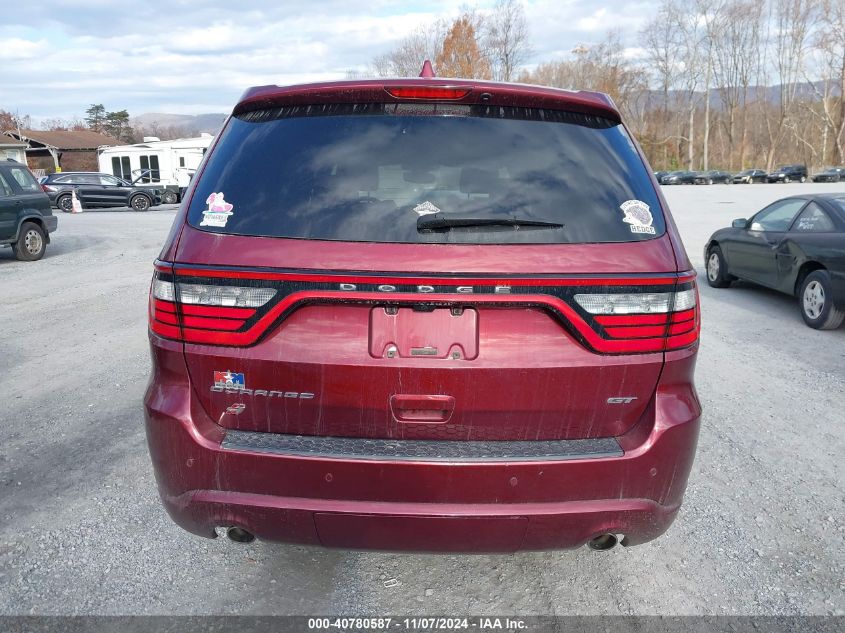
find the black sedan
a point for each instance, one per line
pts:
(831, 174)
(678, 178)
(712, 176)
(788, 173)
(98, 190)
(750, 176)
(795, 245)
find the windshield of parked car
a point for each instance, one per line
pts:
(368, 172)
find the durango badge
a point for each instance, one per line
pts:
(638, 215)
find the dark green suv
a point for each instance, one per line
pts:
(26, 217)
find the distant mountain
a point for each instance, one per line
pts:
(771, 94)
(194, 123)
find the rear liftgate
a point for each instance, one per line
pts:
(423, 368)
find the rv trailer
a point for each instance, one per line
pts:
(167, 164)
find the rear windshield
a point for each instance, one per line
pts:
(382, 173)
(840, 204)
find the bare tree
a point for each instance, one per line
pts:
(736, 39)
(690, 33)
(406, 60)
(710, 12)
(506, 39)
(658, 38)
(830, 46)
(789, 24)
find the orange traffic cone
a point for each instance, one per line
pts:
(76, 205)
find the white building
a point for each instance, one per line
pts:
(12, 150)
(170, 164)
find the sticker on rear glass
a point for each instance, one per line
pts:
(218, 211)
(426, 208)
(638, 215)
(229, 379)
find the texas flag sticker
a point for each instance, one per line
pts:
(229, 379)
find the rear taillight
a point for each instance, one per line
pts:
(47, 189)
(645, 321)
(200, 313)
(626, 314)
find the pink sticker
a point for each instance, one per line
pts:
(218, 211)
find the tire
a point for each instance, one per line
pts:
(816, 303)
(787, 179)
(169, 197)
(717, 268)
(31, 244)
(65, 203)
(709, 181)
(803, 179)
(139, 202)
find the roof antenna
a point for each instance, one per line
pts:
(427, 71)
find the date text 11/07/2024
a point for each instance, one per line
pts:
(418, 624)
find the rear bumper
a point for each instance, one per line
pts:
(414, 504)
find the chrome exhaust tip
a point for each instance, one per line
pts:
(603, 542)
(239, 535)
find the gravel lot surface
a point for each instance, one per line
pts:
(82, 531)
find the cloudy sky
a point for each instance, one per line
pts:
(197, 56)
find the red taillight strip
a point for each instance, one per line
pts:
(221, 312)
(643, 331)
(166, 317)
(212, 324)
(251, 335)
(668, 279)
(167, 331)
(681, 328)
(164, 306)
(632, 319)
(686, 315)
(203, 317)
(682, 340)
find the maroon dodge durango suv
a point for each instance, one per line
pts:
(424, 314)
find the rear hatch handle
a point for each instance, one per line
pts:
(425, 409)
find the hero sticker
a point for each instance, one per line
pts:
(218, 211)
(638, 215)
(426, 208)
(229, 380)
